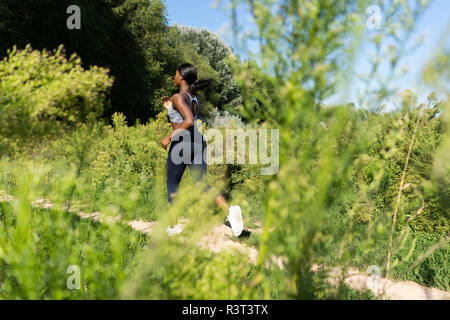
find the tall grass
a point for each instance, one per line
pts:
(346, 177)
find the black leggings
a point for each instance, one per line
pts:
(176, 163)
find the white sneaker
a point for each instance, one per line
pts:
(235, 219)
(174, 230)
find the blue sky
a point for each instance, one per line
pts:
(201, 13)
(197, 13)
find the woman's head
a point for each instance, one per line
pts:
(187, 72)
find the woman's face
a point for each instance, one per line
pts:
(177, 79)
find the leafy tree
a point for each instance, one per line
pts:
(146, 21)
(125, 36)
(216, 54)
(260, 101)
(42, 93)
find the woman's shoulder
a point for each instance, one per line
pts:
(190, 94)
(181, 95)
(178, 97)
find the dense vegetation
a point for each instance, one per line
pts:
(131, 39)
(81, 124)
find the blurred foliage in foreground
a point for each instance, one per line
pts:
(44, 94)
(332, 202)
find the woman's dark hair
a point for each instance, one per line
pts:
(189, 74)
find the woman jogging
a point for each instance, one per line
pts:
(183, 110)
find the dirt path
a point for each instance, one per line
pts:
(219, 238)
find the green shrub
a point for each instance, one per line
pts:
(44, 93)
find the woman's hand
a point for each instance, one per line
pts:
(167, 103)
(165, 142)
